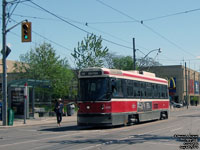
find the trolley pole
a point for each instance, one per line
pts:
(4, 85)
(134, 57)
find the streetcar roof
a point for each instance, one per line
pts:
(132, 74)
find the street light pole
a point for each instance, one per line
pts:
(159, 51)
(4, 63)
(134, 57)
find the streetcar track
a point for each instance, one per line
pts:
(105, 132)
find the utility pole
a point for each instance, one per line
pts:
(186, 85)
(4, 63)
(134, 57)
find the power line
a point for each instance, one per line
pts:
(146, 26)
(69, 57)
(170, 15)
(84, 25)
(32, 17)
(111, 22)
(77, 26)
(145, 20)
(47, 39)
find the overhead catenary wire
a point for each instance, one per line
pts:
(83, 23)
(145, 20)
(48, 39)
(146, 26)
(69, 57)
(64, 20)
(64, 47)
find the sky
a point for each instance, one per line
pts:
(172, 25)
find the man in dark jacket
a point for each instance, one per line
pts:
(59, 111)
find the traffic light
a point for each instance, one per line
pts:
(26, 31)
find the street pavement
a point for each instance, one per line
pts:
(43, 134)
(50, 120)
(40, 121)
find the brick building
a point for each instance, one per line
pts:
(178, 77)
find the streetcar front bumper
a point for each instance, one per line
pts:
(94, 119)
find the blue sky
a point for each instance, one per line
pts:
(177, 35)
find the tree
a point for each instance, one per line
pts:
(108, 60)
(126, 62)
(90, 52)
(42, 63)
(123, 62)
(147, 62)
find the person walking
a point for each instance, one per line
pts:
(59, 111)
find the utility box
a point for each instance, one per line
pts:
(70, 109)
(10, 117)
(0, 111)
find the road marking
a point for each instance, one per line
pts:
(129, 137)
(170, 144)
(175, 129)
(49, 138)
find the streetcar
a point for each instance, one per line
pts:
(109, 97)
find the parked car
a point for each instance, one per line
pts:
(177, 105)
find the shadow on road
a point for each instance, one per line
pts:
(75, 127)
(133, 139)
(190, 116)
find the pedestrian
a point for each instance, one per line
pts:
(59, 111)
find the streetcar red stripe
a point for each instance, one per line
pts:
(136, 76)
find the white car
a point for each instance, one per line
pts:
(177, 105)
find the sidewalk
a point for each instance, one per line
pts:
(40, 121)
(47, 120)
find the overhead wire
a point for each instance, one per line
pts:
(85, 24)
(64, 47)
(149, 19)
(173, 14)
(146, 26)
(78, 26)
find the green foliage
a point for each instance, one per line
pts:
(42, 63)
(90, 52)
(126, 62)
(123, 63)
(195, 98)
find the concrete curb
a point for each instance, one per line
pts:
(40, 121)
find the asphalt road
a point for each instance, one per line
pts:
(154, 135)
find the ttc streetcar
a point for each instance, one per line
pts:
(109, 97)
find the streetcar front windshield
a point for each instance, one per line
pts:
(93, 89)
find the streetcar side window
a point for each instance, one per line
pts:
(165, 91)
(136, 87)
(156, 91)
(118, 90)
(143, 90)
(149, 89)
(129, 88)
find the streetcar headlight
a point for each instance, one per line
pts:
(88, 107)
(102, 107)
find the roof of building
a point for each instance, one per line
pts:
(9, 64)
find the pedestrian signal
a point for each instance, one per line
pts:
(26, 31)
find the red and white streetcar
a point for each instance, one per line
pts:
(110, 97)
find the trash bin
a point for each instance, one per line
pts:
(70, 109)
(10, 117)
(0, 111)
